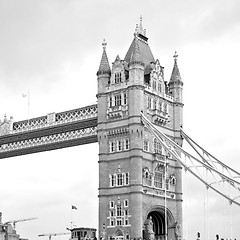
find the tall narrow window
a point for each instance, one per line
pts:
(119, 179)
(158, 180)
(118, 99)
(119, 148)
(159, 87)
(126, 144)
(118, 77)
(111, 146)
(111, 204)
(165, 107)
(112, 180)
(124, 98)
(149, 103)
(146, 145)
(154, 104)
(157, 146)
(126, 178)
(154, 85)
(160, 106)
(110, 101)
(119, 211)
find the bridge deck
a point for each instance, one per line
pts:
(53, 131)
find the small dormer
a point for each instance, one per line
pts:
(119, 71)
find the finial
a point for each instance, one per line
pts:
(175, 56)
(136, 29)
(104, 43)
(140, 25)
(139, 28)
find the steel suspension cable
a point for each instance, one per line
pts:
(169, 148)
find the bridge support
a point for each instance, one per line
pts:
(140, 186)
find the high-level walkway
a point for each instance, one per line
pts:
(52, 131)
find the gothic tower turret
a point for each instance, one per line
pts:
(176, 89)
(140, 192)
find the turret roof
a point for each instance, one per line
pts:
(141, 41)
(175, 77)
(135, 54)
(104, 66)
(144, 49)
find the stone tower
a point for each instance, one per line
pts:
(140, 185)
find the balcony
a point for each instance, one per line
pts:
(159, 117)
(116, 112)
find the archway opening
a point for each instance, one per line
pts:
(158, 225)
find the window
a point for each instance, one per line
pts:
(154, 85)
(118, 100)
(112, 222)
(126, 221)
(158, 180)
(119, 179)
(119, 145)
(112, 180)
(111, 213)
(119, 222)
(119, 211)
(118, 77)
(126, 143)
(124, 98)
(160, 106)
(154, 104)
(149, 103)
(147, 177)
(126, 178)
(157, 146)
(111, 204)
(159, 87)
(111, 146)
(110, 101)
(165, 108)
(146, 145)
(126, 204)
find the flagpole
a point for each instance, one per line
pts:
(71, 218)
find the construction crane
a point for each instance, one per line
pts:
(51, 234)
(20, 220)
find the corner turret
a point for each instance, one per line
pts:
(175, 83)
(104, 71)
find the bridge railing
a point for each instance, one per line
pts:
(52, 119)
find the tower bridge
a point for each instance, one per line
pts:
(137, 123)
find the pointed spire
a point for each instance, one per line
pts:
(175, 77)
(104, 67)
(139, 27)
(136, 55)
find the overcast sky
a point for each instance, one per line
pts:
(53, 48)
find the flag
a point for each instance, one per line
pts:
(73, 207)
